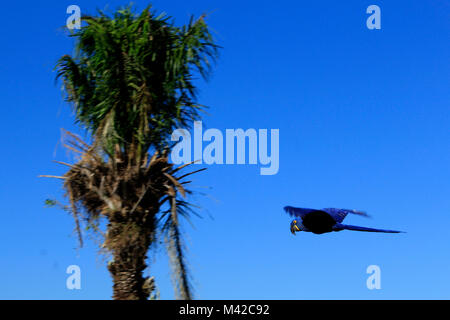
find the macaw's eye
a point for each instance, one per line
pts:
(295, 221)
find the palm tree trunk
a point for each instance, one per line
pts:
(128, 243)
(128, 284)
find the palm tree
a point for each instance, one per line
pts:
(130, 82)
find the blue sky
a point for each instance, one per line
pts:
(364, 123)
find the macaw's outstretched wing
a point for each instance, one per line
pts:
(340, 214)
(298, 212)
(358, 228)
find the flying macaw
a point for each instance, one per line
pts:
(325, 220)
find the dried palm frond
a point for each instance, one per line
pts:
(130, 196)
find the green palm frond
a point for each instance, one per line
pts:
(131, 79)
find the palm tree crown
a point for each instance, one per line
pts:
(131, 78)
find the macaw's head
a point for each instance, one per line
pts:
(294, 227)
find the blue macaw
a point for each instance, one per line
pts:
(325, 220)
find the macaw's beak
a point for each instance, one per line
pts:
(293, 229)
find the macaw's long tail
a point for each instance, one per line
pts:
(356, 228)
